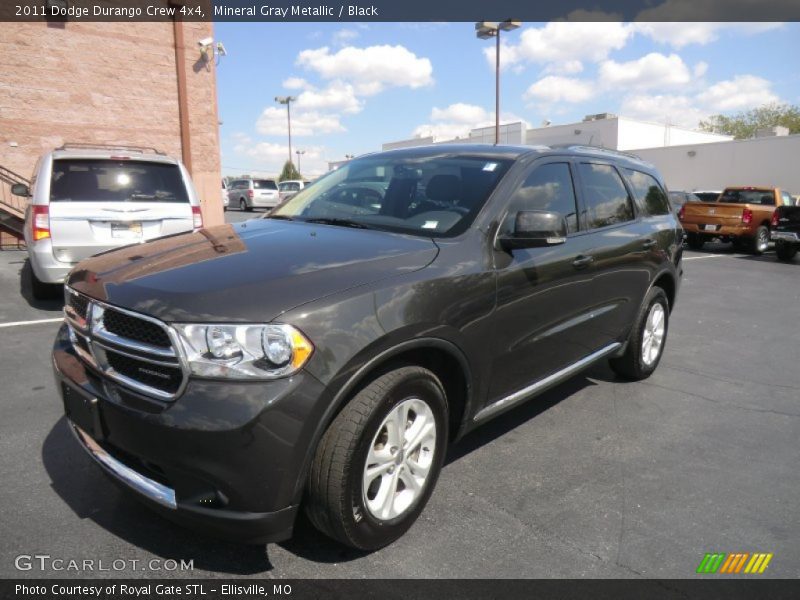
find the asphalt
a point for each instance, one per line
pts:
(596, 478)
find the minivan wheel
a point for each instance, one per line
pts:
(785, 251)
(377, 464)
(761, 240)
(647, 339)
(243, 205)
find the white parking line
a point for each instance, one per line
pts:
(19, 323)
(704, 256)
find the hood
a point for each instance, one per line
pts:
(250, 272)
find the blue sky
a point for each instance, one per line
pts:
(361, 85)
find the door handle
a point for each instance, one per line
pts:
(648, 243)
(582, 261)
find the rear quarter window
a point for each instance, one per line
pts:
(649, 194)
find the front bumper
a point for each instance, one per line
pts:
(786, 236)
(225, 458)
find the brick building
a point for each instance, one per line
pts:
(129, 83)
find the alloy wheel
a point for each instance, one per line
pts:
(653, 335)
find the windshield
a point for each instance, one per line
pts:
(264, 184)
(748, 197)
(100, 180)
(434, 196)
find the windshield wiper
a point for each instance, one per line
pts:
(278, 217)
(339, 222)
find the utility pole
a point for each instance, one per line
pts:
(485, 30)
(287, 100)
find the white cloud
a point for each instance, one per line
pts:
(553, 88)
(562, 42)
(371, 69)
(456, 121)
(677, 109)
(741, 92)
(268, 158)
(273, 122)
(679, 34)
(345, 36)
(296, 83)
(338, 97)
(700, 69)
(468, 114)
(653, 70)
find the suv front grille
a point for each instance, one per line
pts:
(134, 350)
(134, 328)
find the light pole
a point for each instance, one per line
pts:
(287, 100)
(299, 154)
(485, 30)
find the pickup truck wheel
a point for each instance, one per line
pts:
(696, 242)
(377, 464)
(761, 240)
(647, 339)
(785, 251)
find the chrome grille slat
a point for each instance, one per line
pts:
(164, 378)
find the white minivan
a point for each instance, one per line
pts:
(86, 199)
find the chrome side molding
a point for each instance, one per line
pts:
(145, 486)
(547, 382)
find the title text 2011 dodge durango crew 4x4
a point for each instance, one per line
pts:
(326, 355)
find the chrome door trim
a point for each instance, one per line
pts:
(547, 382)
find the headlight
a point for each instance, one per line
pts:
(243, 351)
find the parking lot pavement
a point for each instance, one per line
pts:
(597, 478)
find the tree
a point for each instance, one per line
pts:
(289, 172)
(743, 125)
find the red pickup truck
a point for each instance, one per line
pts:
(740, 215)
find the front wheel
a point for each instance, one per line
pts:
(785, 251)
(377, 464)
(647, 339)
(761, 240)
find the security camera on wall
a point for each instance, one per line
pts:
(205, 42)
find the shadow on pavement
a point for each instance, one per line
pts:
(55, 304)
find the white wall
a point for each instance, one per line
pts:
(594, 133)
(641, 134)
(771, 162)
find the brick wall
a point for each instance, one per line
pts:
(107, 83)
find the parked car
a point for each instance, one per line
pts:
(248, 194)
(707, 196)
(786, 231)
(678, 199)
(740, 215)
(289, 188)
(481, 277)
(224, 195)
(86, 199)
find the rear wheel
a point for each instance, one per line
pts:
(761, 240)
(695, 241)
(377, 464)
(243, 205)
(785, 251)
(647, 339)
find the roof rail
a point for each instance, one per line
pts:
(587, 147)
(91, 146)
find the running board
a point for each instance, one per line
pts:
(547, 382)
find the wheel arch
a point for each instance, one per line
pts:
(666, 281)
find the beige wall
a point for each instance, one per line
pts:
(107, 83)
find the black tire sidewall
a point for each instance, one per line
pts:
(369, 532)
(785, 251)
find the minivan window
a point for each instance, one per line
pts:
(649, 195)
(549, 187)
(607, 201)
(264, 184)
(101, 180)
(436, 195)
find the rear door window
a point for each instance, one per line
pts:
(606, 198)
(99, 180)
(650, 197)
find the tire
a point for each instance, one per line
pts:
(41, 290)
(243, 205)
(760, 241)
(339, 504)
(695, 242)
(785, 251)
(633, 365)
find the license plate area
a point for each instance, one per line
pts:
(710, 227)
(126, 229)
(82, 410)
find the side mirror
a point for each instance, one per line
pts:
(536, 228)
(20, 189)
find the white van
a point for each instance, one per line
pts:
(86, 199)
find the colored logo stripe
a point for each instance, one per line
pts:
(720, 562)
